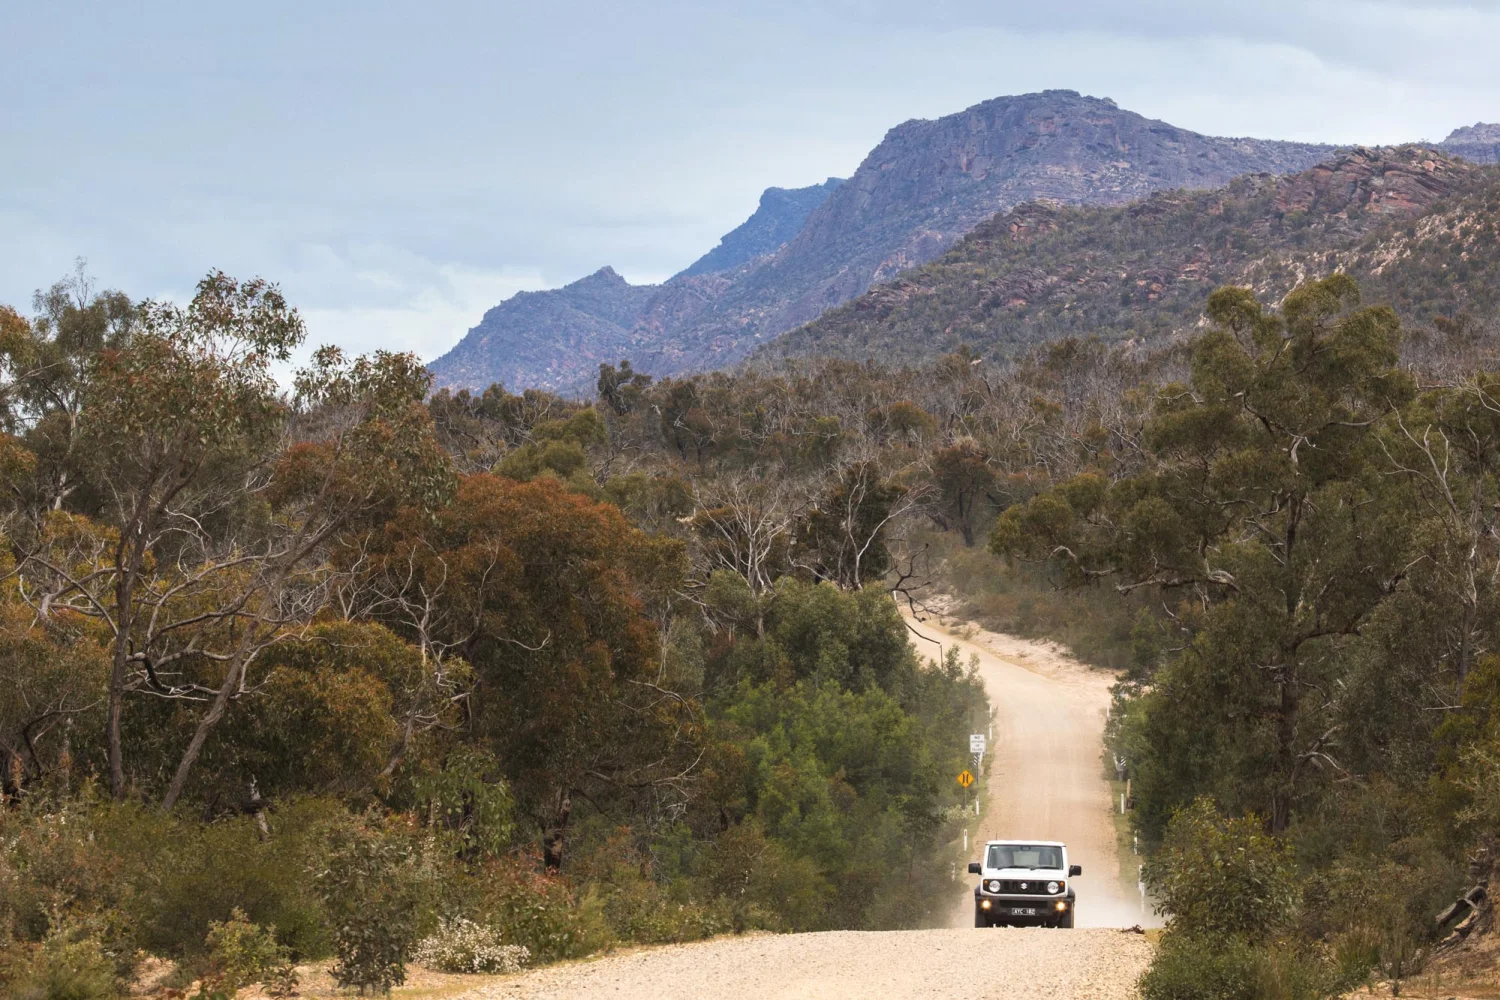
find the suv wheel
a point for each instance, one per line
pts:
(981, 919)
(1067, 919)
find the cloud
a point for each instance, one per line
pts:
(420, 307)
(399, 167)
(416, 309)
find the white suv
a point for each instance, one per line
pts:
(1024, 882)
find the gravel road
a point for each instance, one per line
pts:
(1046, 783)
(1002, 964)
(1047, 778)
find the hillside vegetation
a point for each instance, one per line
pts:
(1416, 228)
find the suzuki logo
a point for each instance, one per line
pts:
(1023, 885)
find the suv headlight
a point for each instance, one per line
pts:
(993, 885)
(1054, 887)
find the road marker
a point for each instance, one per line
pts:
(965, 778)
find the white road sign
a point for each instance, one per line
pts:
(976, 743)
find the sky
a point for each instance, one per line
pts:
(398, 167)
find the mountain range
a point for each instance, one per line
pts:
(809, 250)
(1418, 228)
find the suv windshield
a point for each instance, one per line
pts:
(1024, 856)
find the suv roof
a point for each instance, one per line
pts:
(1028, 843)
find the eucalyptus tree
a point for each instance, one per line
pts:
(44, 366)
(1264, 502)
(218, 497)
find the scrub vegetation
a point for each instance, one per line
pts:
(346, 672)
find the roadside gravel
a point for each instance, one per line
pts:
(1000, 964)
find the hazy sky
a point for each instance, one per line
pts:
(400, 167)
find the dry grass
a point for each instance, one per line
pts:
(1470, 973)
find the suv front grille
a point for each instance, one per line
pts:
(1023, 887)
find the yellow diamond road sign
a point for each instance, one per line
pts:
(965, 778)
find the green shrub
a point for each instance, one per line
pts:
(1193, 970)
(50, 863)
(1291, 970)
(178, 876)
(541, 912)
(153, 881)
(241, 953)
(1188, 968)
(1383, 914)
(70, 964)
(646, 902)
(1222, 877)
(374, 885)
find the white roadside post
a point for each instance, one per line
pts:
(977, 742)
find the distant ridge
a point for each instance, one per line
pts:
(1418, 228)
(556, 339)
(547, 338)
(1479, 143)
(925, 186)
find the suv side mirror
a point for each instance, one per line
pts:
(974, 868)
(1075, 870)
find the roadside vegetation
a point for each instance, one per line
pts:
(1309, 720)
(346, 673)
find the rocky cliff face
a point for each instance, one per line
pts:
(1476, 143)
(779, 217)
(1409, 222)
(916, 194)
(1404, 182)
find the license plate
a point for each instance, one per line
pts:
(1023, 911)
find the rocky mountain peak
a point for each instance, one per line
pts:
(1478, 132)
(805, 250)
(1478, 143)
(778, 217)
(606, 275)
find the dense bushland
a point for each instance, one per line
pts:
(1318, 522)
(345, 673)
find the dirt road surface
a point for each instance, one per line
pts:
(1046, 783)
(1000, 964)
(1047, 778)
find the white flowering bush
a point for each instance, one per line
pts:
(464, 946)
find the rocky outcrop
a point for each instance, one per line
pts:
(1479, 143)
(779, 217)
(1371, 180)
